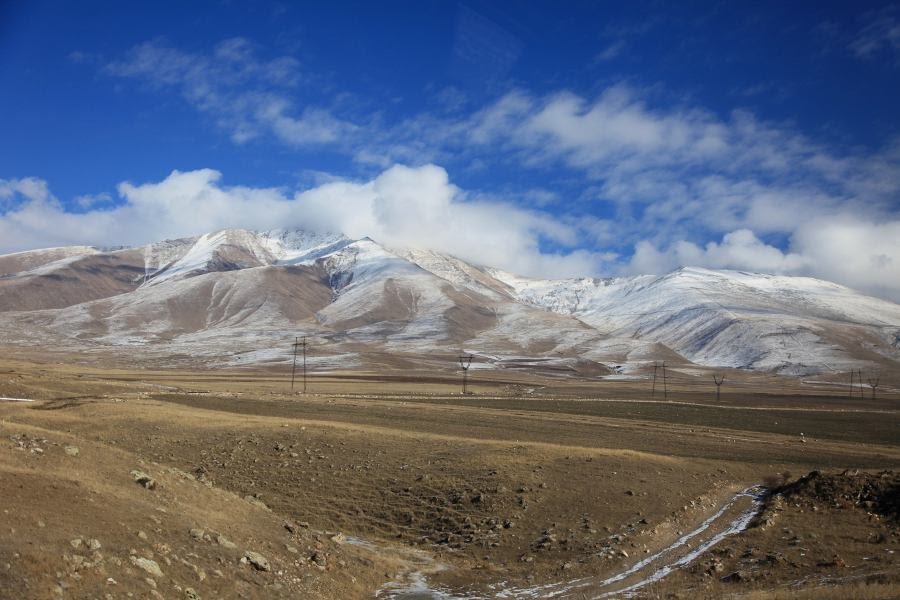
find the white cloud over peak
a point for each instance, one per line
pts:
(420, 207)
(403, 206)
(861, 254)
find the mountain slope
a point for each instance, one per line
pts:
(729, 318)
(238, 295)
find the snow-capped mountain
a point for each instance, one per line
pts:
(730, 318)
(236, 296)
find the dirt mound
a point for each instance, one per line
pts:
(874, 492)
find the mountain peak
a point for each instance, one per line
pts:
(248, 288)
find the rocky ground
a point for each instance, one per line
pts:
(118, 484)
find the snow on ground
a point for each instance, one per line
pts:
(720, 318)
(398, 301)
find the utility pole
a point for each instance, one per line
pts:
(465, 361)
(852, 373)
(653, 389)
(873, 383)
(297, 345)
(719, 383)
(665, 383)
(859, 375)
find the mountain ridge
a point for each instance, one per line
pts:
(250, 290)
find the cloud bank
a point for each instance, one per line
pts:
(420, 207)
(403, 206)
(646, 184)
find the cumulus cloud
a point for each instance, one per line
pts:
(739, 249)
(860, 254)
(403, 206)
(420, 207)
(856, 252)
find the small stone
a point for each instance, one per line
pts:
(71, 450)
(339, 538)
(197, 534)
(142, 535)
(147, 565)
(190, 594)
(258, 561)
(225, 542)
(76, 543)
(143, 479)
(93, 544)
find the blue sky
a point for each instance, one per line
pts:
(552, 139)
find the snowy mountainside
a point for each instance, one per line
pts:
(240, 292)
(726, 318)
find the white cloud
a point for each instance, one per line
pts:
(31, 188)
(739, 249)
(880, 33)
(244, 95)
(403, 206)
(611, 51)
(857, 253)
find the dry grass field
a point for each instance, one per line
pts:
(532, 485)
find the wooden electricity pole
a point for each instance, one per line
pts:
(665, 383)
(465, 361)
(297, 345)
(653, 389)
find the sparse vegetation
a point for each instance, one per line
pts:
(537, 486)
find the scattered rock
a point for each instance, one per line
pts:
(143, 479)
(225, 542)
(93, 544)
(147, 565)
(736, 577)
(258, 561)
(197, 534)
(71, 450)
